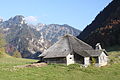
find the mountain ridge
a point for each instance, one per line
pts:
(31, 40)
(52, 32)
(105, 27)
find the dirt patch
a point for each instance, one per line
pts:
(32, 65)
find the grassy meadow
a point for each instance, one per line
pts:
(57, 71)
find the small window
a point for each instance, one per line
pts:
(70, 53)
(70, 58)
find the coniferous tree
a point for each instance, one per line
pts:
(17, 54)
(2, 41)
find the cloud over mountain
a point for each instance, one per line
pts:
(31, 19)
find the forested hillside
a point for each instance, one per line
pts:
(105, 29)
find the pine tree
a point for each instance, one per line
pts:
(17, 54)
(2, 41)
(2, 46)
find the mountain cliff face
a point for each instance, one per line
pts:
(53, 32)
(25, 39)
(31, 40)
(105, 28)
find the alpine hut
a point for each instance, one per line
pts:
(70, 50)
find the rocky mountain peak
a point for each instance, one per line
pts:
(18, 19)
(13, 21)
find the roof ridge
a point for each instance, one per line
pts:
(69, 44)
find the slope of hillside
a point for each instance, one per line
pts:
(105, 28)
(3, 54)
(2, 47)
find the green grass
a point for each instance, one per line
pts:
(114, 56)
(55, 71)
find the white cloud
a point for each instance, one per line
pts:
(31, 19)
(1, 17)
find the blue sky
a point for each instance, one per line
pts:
(77, 13)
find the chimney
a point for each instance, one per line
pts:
(98, 46)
